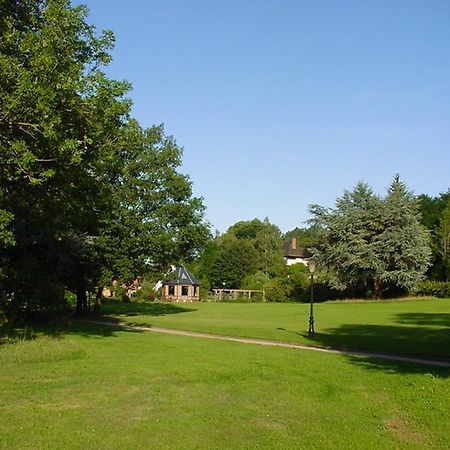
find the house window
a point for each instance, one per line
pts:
(184, 290)
(171, 290)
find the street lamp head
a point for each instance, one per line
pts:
(311, 266)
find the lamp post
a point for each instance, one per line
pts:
(312, 269)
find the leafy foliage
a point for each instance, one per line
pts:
(86, 194)
(442, 244)
(154, 220)
(436, 220)
(440, 289)
(236, 259)
(247, 248)
(310, 237)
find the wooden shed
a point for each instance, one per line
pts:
(181, 286)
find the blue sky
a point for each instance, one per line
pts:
(280, 104)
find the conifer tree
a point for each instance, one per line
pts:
(374, 243)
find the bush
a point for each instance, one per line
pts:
(146, 292)
(440, 289)
(257, 281)
(277, 291)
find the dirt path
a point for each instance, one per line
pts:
(269, 343)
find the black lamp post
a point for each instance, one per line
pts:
(312, 269)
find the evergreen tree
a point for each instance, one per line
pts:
(349, 230)
(373, 243)
(403, 244)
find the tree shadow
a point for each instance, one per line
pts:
(11, 333)
(415, 341)
(373, 364)
(425, 319)
(16, 333)
(138, 309)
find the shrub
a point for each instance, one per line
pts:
(440, 289)
(146, 292)
(277, 291)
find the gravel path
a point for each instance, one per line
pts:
(269, 343)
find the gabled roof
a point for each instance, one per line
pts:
(181, 275)
(291, 251)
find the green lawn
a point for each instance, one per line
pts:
(412, 327)
(94, 387)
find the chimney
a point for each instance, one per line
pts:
(294, 243)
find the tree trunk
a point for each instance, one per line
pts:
(98, 302)
(377, 288)
(81, 307)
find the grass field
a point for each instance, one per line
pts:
(88, 386)
(93, 387)
(412, 327)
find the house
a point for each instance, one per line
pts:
(294, 255)
(181, 286)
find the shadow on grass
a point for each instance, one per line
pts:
(138, 309)
(398, 367)
(425, 319)
(11, 333)
(426, 338)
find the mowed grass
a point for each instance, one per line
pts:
(93, 387)
(410, 327)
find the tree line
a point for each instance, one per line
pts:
(365, 246)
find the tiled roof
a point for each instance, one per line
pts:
(181, 275)
(298, 252)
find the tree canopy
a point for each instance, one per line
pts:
(85, 191)
(435, 217)
(375, 243)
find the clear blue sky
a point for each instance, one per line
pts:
(280, 104)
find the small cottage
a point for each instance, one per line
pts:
(181, 286)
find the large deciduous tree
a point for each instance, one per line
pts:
(235, 259)
(153, 219)
(81, 184)
(59, 115)
(246, 248)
